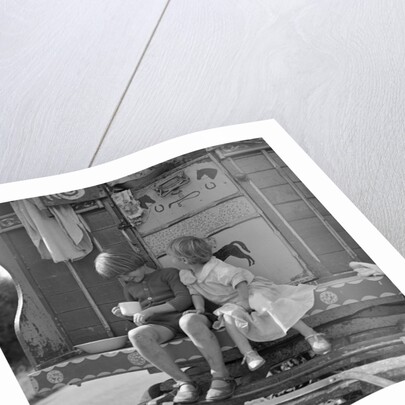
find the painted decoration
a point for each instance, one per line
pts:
(74, 196)
(191, 189)
(202, 224)
(9, 221)
(253, 245)
(81, 368)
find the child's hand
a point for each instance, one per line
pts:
(141, 317)
(245, 305)
(117, 312)
(194, 311)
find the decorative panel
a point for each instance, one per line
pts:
(188, 190)
(202, 224)
(253, 245)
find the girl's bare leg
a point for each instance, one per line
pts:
(240, 340)
(250, 356)
(147, 340)
(304, 329)
(318, 343)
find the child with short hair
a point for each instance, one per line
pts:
(252, 307)
(161, 295)
(163, 298)
(166, 311)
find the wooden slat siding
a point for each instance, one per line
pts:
(80, 318)
(93, 305)
(321, 209)
(86, 271)
(276, 158)
(319, 239)
(60, 290)
(58, 285)
(108, 293)
(87, 333)
(84, 317)
(267, 178)
(337, 262)
(341, 231)
(109, 236)
(47, 275)
(277, 222)
(5, 209)
(67, 301)
(253, 163)
(281, 194)
(99, 219)
(363, 256)
(296, 212)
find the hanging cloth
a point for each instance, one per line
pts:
(61, 237)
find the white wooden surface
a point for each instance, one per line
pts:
(85, 82)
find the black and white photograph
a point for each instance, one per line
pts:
(214, 276)
(202, 201)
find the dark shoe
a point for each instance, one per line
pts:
(187, 393)
(221, 392)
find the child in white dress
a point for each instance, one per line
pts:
(252, 308)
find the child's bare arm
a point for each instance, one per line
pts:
(199, 305)
(243, 292)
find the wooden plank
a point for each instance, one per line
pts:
(336, 262)
(64, 68)
(109, 236)
(110, 293)
(91, 333)
(363, 256)
(292, 211)
(97, 220)
(56, 285)
(266, 178)
(67, 301)
(303, 252)
(290, 174)
(322, 210)
(276, 158)
(24, 245)
(87, 334)
(342, 233)
(318, 238)
(86, 271)
(79, 318)
(6, 209)
(280, 194)
(253, 163)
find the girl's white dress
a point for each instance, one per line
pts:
(276, 307)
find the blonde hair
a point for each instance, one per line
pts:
(117, 261)
(195, 250)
